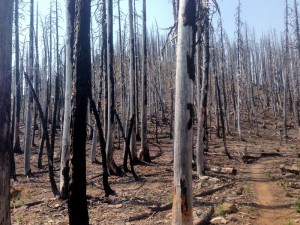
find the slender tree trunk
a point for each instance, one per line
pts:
(285, 73)
(144, 152)
(56, 92)
(28, 131)
(17, 147)
(111, 165)
(64, 160)
(182, 212)
(6, 15)
(238, 72)
(297, 31)
(204, 92)
(132, 81)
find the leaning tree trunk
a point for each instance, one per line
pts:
(144, 152)
(78, 212)
(182, 212)
(6, 14)
(64, 160)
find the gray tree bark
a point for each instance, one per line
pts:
(144, 152)
(28, 129)
(132, 81)
(182, 212)
(64, 160)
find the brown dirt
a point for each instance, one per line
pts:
(261, 192)
(273, 209)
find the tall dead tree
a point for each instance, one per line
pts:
(202, 79)
(286, 69)
(144, 152)
(64, 161)
(6, 14)
(132, 81)
(182, 212)
(239, 70)
(78, 212)
(296, 80)
(28, 129)
(17, 147)
(111, 165)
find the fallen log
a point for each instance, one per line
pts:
(29, 204)
(270, 154)
(161, 208)
(249, 159)
(295, 185)
(139, 216)
(252, 158)
(219, 169)
(291, 169)
(204, 217)
(211, 191)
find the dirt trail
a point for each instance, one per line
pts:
(272, 209)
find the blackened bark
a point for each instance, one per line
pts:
(78, 212)
(107, 189)
(46, 136)
(17, 147)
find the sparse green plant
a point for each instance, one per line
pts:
(289, 221)
(149, 196)
(268, 174)
(15, 198)
(286, 187)
(219, 210)
(246, 189)
(248, 210)
(20, 219)
(297, 206)
(238, 179)
(168, 197)
(138, 208)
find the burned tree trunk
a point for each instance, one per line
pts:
(78, 212)
(182, 212)
(6, 14)
(64, 161)
(144, 152)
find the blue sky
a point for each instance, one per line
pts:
(263, 15)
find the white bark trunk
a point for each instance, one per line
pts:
(183, 138)
(68, 93)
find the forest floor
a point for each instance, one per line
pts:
(265, 189)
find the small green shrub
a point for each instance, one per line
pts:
(219, 210)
